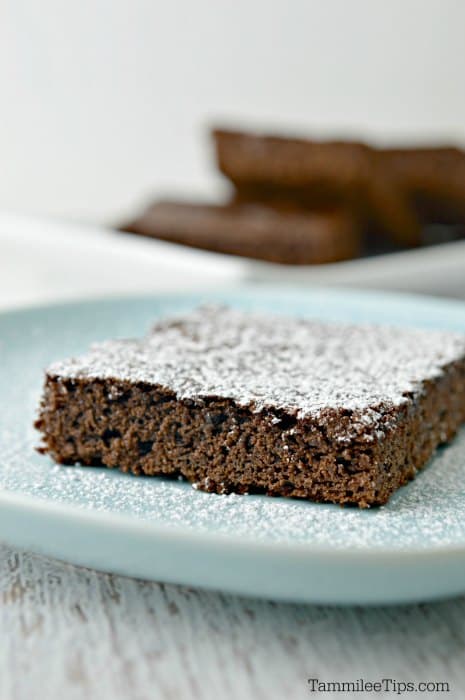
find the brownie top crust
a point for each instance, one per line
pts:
(301, 367)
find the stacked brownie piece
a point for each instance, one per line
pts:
(254, 229)
(300, 201)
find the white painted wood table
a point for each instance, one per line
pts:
(69, 633)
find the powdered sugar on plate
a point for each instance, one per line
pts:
(429, 512)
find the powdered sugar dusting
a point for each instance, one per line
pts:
(430, 511)
(258, 360)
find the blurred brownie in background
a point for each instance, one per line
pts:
(335, 170)
(300, 201)
(433, 177)
(317, 174)
(254, 230)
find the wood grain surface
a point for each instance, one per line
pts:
(72, 633)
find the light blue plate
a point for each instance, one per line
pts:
(411, 549)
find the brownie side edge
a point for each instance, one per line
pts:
(222, 447)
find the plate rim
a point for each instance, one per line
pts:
(241, 289)
(138, 526)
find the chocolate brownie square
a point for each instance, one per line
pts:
(238, 402)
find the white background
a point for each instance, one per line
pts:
(105, 102)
